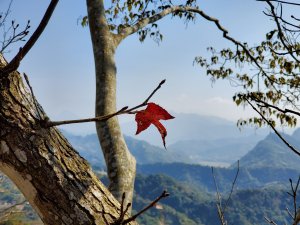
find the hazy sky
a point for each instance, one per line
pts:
(61, 67)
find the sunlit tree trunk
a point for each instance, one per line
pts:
(121, 165)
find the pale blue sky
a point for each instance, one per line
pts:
(61, 70)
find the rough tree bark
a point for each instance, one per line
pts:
(121, 165)
(57, 182)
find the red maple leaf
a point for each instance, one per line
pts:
(151, 115)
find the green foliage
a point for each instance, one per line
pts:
(194, 206)
(270, 76)
(201, 176)
(191, 205)
(121, 14)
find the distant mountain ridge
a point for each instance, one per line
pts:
(272, 152)
(198, 140)
(193, 127)
(217, 152)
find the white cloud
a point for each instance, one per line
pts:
(215, 106)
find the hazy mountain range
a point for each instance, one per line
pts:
(266, 165)
(192, 139)
(273, 153)
(187, 127)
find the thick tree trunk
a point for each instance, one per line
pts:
(121, 165)
(57, 182)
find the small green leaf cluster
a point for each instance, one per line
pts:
(121, 14)
(267, 75)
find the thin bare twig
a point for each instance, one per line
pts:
(104, 218)
(147, 99)
(296, 216)
(120, 220)
(13, 206)
(289, 212)
(280, 32)
(219, 198)
(279, 1)
(221, 209)
(33, 96)
(270, 221)
(15, 62)
(163, 195)
(3, 18)
(15, 36)
(232, 186)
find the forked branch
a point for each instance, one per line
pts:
(122, 221)
(295, 216)
(220, 207)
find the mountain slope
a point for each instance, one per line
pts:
(186, 205)
(89, 148)
(214, 152)
(272, 152)
(201, 176)
(246, 206)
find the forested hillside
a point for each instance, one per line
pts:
(186, 205)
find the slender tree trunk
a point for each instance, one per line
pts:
(121, 165)
(57, 182)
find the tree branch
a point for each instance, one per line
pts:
(15, 62)
(163, 195)
(266, 218)
(148, 20)
(33, 96)
(265, 104)
(8, 209)
(280, 32)
(47, 123)
(273, 128)
(131, 110)
(279, 1)
(176, 9)
(221, 209)
(232, 187)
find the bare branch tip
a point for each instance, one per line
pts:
(162, 82)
